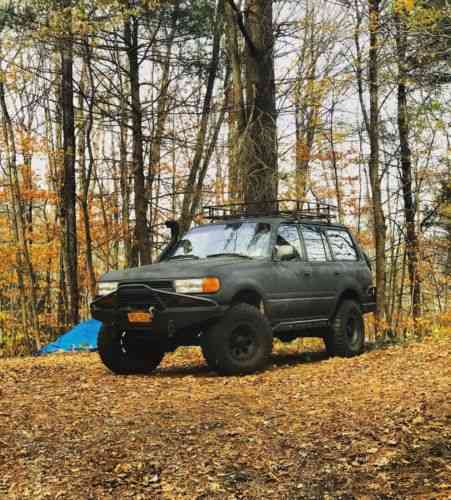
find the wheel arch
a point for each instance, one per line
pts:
(347, 294)
(249, 296)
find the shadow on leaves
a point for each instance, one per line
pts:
(277, 360)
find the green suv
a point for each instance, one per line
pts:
(231, 285)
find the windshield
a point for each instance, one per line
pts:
(248, 239)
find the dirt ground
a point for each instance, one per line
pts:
(376, 426)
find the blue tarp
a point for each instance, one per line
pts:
(82, 337)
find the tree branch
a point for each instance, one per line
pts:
(242, 27)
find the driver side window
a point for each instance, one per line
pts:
(288, 235)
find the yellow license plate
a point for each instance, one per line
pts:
(140, 317)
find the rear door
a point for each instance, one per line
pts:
(346, 254)
(323, 283)
(290, 291)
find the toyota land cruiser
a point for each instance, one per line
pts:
(231, 285)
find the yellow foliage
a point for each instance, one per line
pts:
(404, 5)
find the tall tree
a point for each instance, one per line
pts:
(86, 121)
(306, 109)
(411, 237)
(141, 250)
(235, 105)
(371, 120)
(68, 192)
(258, 154)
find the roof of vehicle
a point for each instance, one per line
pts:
(278, 211)
(271, 219)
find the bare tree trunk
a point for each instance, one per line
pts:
(401, 291)
(373, 132)
(335, 165)
(259, 151)
(306, 107)
(162, 116)
(86, 124)
(55, 145)
(192, 195)
(27, 177)
(125, 189)
(68, 205)
(206, 162)
(116, 204)
(235, 107)
(141, 247)
(406, 169)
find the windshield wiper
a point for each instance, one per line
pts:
(229, 254)
(187, 256)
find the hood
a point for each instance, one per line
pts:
(176, 269)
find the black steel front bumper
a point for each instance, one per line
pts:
(172, 312)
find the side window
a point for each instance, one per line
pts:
(287, 234)
(342, 245)
(315, 244)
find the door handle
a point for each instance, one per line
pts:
(337, 273)
(307, 273)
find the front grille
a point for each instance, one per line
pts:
(166, 286)
(135, 295)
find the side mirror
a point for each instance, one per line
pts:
(284, 252)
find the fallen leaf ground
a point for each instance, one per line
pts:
(376, 426)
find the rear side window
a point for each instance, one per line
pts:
(342, 245)
(288, 235)
(315, 244)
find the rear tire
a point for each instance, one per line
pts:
(126, 353)
(240, 342)
(346, 337)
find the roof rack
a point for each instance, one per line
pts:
(277, 208)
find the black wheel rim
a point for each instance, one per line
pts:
(133, 346)
(243, 343)
(353, 330)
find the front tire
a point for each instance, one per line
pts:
(126, 353)
(208, 356)
(346, 337)
(240, 342)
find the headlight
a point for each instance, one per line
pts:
(197, 285)
(106, 287)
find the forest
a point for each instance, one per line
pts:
(118, 115)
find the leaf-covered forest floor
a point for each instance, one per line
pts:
(376, 426)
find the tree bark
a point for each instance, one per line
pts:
(55, 146)
(123, 160)
(306, 105)
(258, 156)
(68, 205)
(141, 254)
(411, 237)
(125, 186)
(85, 130)
(379, 227)
(235, 107)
